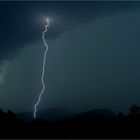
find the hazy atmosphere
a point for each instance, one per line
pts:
(93, 59)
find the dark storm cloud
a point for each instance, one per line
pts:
(1, 65)
(19, 20)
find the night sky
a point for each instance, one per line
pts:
(93, 59)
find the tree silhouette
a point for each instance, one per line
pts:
(134, 110)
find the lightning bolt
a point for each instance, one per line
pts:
(43, 68)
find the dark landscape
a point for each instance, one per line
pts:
(100, 123)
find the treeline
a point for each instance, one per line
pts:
(81, 126)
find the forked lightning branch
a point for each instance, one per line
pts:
(43, 68)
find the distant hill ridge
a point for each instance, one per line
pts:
(57, 114)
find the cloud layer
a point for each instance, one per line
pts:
(22, 22)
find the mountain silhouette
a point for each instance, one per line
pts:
(58, 114)
(50, 114)
(62, 123)
(105, 113)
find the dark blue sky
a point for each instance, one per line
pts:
(93, 57)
